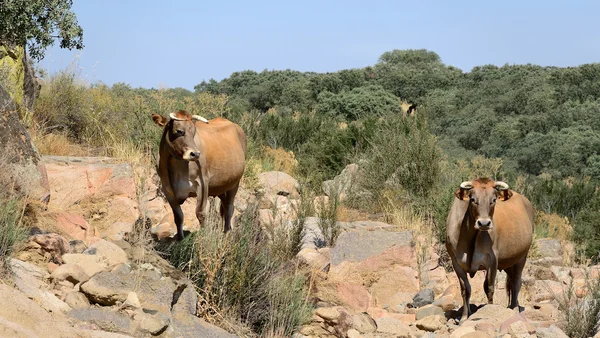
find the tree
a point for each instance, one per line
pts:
(38, 23)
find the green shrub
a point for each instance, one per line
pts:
(11, 229)
(238, 276)
(581, 314)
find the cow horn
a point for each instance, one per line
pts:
(174, 117)
(501, 185)
(199, 118)
(466, 185)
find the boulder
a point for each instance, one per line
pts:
(548, 247)
(341, 185)
(392, 326)
(429, 310)
(105, 319)
(279, 183)
(431, 323)
(363, 323)
(90, 264)
(70, 272)
(550, 332)
(153, 324)
(77, 300)
(108, 253)
(20, 161)
(360, 246)
(423, 297)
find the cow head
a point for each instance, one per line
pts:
(482, 195)
(179, 132)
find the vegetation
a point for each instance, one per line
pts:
(38, 23)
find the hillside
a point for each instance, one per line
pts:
(340, 223)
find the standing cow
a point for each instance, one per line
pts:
(489, 228)
(200, 158)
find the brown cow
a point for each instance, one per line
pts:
(489, 228)
(200, 159)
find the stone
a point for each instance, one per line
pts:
(89, 263)
(431, 323)
(77, 300)
(21, 161)
(279, 183)
(107, 252)
(476, 334)
(352, 333)
(543, 290)
(398, 279)
(363, 323)
(423, 297)
(550, 332)
(76, 227)
(428, 310)
(70, 272)
(462, 331)
(520, 329)
(105, 319)
(519, 317)
(548, 247)
(153, 324)
(359, 246)
(446, 303)
(51, 244)
(107, 288)
(392, 326)
(340, 186)
(354, 296)
(132, 301)
(328, 313)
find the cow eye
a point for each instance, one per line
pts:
(180, 132)
(493, 201)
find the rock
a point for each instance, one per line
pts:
(341, 185)
(77, 246)
(550, 332)
(108, 253)
(51, 244)
(508, 322)
(107, 288)
(400, 279)
(548, 247)
(313, 259)
(542, 290)
(352, 333)
(360, 246)
(392, 326)
(520, 329)
(363, 323)
(186, 325)
(328, 313)
(489, 317)
(313, 237)
(279, 183)
(104, 319)
(462, 331)
(76, 227)
(446, 303)
(132, 301)
(423, 297)
(77, 300)
(476, 334)
(21, 162)
(429, 310)
(89, 263)
(153, 324)
(104, 191)
(354, 296)
(431, 323)
(70, 272)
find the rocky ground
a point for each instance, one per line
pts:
(79, 276)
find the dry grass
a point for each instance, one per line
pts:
(58, 144)
(281, 160)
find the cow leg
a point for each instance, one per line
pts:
(465, 289)
(177, 215)
(509, 273)
(227, 207)
(515, 278)
(201, 201)
(490, 281)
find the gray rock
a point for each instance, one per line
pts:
(392, 326)
(358, 246)
(153, 324)
(341, 185)
(107, 252)
(548, 247)
(104, 319)
(77, 300)
(279, 183)
(363, 323)
(107, 288)
(423, 297)
(186, 325)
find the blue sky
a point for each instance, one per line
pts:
(180, 43)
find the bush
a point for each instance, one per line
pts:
(239, 277)
(581, 315)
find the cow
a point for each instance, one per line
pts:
(489, 227)
(200, 158)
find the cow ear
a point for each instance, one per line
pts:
(159, 120)
(463, 194)
(503, 195)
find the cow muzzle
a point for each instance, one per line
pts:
(191, 155)
(483, 224)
